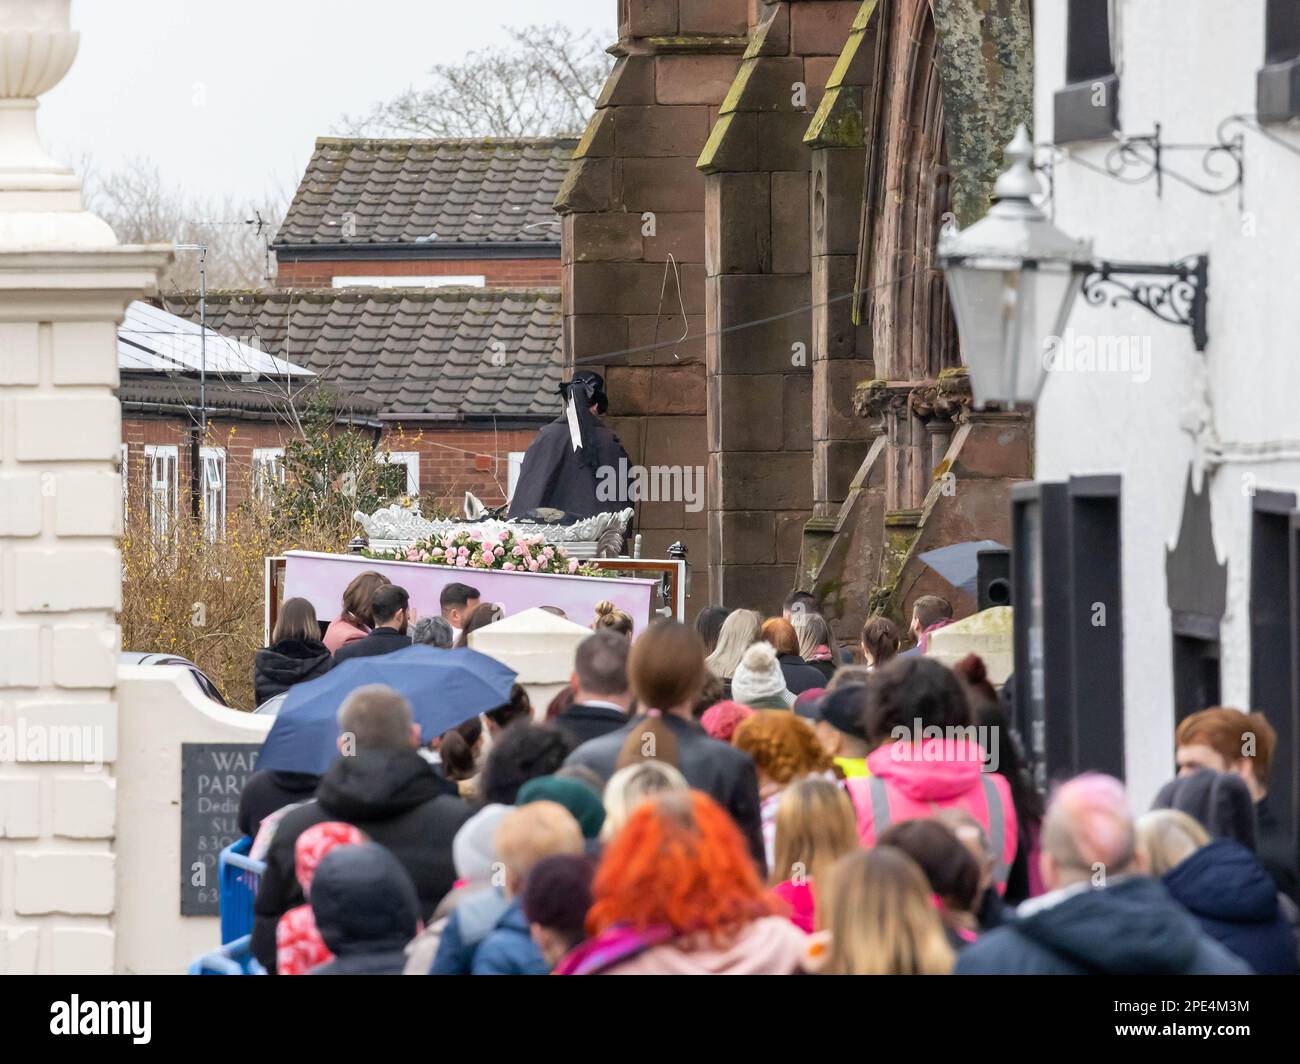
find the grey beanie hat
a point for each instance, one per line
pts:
(1219, 801)
(472, 850)
(758, 677)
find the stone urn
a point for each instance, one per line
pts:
(40, 198)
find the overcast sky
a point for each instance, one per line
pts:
(227, 96)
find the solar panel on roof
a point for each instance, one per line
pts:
(153, 339)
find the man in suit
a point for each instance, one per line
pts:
(393, 614)
(601, 696)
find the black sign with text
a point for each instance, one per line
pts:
(212, 779)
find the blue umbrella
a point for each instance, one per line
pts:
(445, 688)
(959, 563)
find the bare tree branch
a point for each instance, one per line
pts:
(544, 84)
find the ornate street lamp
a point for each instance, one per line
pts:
(1014, 276)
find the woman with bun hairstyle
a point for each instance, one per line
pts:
(610, 616)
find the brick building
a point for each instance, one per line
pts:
(454, 382)
(418, 284)
(780, 168)
(425, 213)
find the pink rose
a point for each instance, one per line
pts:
(503, 535)
(461, 562)
(532, 567)
(463, 552)
(573, 565)
(509, 567)
(412, 555)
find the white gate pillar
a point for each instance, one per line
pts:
(64, 283)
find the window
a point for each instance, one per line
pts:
(126, 483)
(1277, 85)
(268, 471)
(477, 280)
(1088, 107)
(213, 460)
(515, 461)
(409, 459)
(160, 467)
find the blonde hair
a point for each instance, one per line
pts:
(881, 919)
(815, 827)
(533, 831)
(610, 616)
(1167, 837)
(739, 631)
(813, 632)
(631, 786)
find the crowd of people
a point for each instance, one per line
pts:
(745, 796)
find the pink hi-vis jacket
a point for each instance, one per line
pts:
(909, 781)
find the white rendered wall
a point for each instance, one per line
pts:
(1187, 64)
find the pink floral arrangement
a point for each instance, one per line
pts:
(486, 549)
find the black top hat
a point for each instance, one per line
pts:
(592, 385)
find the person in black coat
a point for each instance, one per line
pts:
(391, 606)
(1126, 924)
(601, 695)
(366, 911)
(296, 652)
(266, 791)
(666, 670)
(584, 480)
(799, 675)
(388, 791)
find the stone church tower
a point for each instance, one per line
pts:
(750, 225)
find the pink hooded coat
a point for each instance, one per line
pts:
(939, 773)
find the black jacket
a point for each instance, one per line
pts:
(396, 800)
(265, 792)
(1276, 850)
(366, 911)
(379, 641)
(582, 723)
(799, 675)
(281, 665)
(1131, 927)
(554, 475)
(826, 668)
(720, 770)
(1235, 901)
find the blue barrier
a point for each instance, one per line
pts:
(238, 879)
(234, 958)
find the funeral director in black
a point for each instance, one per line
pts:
(576, 464)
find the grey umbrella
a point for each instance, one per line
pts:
(959, 563)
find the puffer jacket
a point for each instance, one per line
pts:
(1129, 927)
(366, 911)
(281, 665)
(1235, 901)
(394, 798)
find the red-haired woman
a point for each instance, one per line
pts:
(677, 893)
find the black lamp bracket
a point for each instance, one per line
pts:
(1137, 159)
(1176, 292)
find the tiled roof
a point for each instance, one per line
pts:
(442, 351)
(150, 392)
(408, 192)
